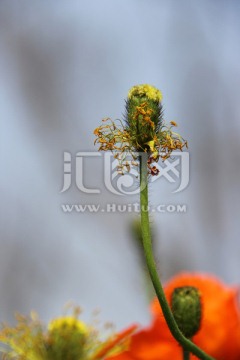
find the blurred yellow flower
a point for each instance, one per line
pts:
(67, 322)
(65, 338)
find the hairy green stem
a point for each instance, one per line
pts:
(147, 245)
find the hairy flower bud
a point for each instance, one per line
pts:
(186, 308)
(143, 130)
(143, 115)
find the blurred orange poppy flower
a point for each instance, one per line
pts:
(219, 335)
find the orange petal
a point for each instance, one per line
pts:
(219, 334)
(117, 340)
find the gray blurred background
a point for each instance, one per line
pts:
(64, 66)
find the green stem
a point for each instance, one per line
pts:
(186, 355)
(147, 245)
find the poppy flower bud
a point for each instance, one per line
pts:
(143, 115)
(186, 308)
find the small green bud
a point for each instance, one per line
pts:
(187, 310)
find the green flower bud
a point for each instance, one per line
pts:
(187, 310)
(143, 115)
